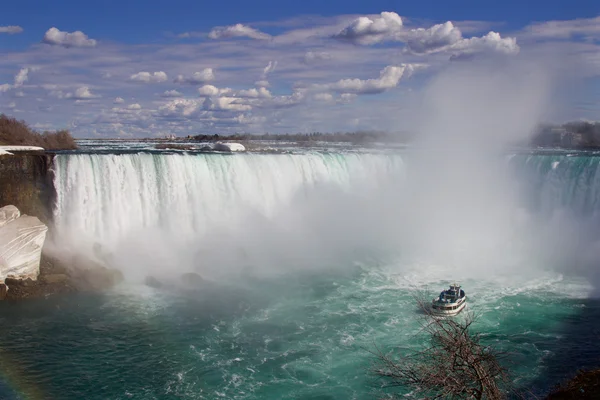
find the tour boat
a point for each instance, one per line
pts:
(450, 302)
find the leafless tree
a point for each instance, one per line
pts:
(453, 365)
(14, 132)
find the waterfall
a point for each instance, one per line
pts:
(105, 197)
(560, 182)
(275, 210)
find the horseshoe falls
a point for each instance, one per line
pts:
(108, 196)
(308, 259)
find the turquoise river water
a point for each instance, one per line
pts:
(289, 309)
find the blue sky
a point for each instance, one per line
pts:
(124, 68)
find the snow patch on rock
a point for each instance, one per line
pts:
(21, 240)
(228, 147)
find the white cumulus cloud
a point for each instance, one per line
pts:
(11, 29)
(436, 38)
(210, 90)
(447, 37)
(268, 69)
(237, 30)
(21, 77)
(254, 93)
(171, 93)
(370, 30)
(316, 56)
(225, 104)
(56, 37)
(119, 100)
(262, 83)
(244, 119)
(82, 93)
(134, 106)
(490, 42)
(346, 98)
(179, 108)
(588, 27)
(324, 97)
(389, 78)
(149, 77)
(197, 78)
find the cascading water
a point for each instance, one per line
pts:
(302, 334)
(555, 182)
(106, 198)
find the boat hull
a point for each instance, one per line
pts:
(448, 309)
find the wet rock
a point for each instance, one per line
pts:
(153, 282)
(3, 291)
(228, 147)
(96, 279)
(191, 279)
(42, 288)
(55, 278)
(66, 275)
(14, 281)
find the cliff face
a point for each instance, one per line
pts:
(26, 182)
(26, 187)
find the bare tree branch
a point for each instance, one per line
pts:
(453, 365)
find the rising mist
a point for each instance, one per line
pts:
(450, 201)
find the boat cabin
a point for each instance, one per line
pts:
(452, 295)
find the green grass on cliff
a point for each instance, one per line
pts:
(18, 133)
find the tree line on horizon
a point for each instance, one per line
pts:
(18, 133)
(356, 137)
(574, 134)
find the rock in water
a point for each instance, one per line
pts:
(191, 279)
(228, 147)
(21, 241)
(153, 282)
(3, 291)
(55, 278)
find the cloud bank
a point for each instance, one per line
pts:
(344, 72)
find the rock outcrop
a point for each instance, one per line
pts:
(43, 287)
(189, 281)
(229, 147)
(26, 182)
(69, 274)
(21, 241)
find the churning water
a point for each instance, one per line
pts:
(308, 259)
